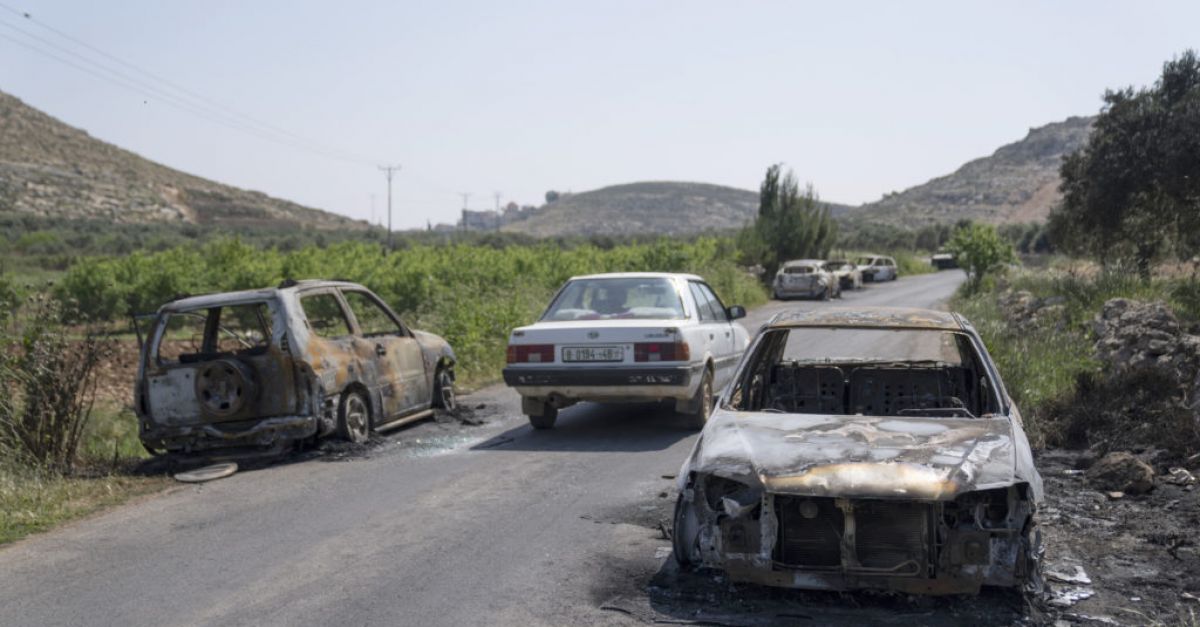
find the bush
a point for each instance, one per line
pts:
(49, 377)
(473, 295)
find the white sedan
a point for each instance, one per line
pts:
(627, 337)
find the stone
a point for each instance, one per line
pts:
(1121, 472)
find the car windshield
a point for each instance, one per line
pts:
(865, 261)
(836, 265)
(616, 298)
(799, 270)
(874, 372)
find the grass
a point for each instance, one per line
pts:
(34, 500)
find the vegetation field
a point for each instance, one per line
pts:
(471, 295)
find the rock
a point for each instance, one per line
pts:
(1121, 472)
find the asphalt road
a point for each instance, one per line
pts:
(437, 524)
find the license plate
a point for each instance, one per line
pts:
(593, 353)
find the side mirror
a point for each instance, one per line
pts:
(735, 312)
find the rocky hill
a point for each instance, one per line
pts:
(654, 207)
(1017, 183)
(50, 169)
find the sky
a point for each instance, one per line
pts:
(303, 100)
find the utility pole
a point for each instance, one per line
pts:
(389, 170)
(496, 195)
(374, 220)
(466, 196)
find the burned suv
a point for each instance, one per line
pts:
(265, 368)
(869, 448)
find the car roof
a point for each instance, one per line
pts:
(869, 317)
(218, 299)
(803, 262)
(639, 275)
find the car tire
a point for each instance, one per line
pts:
(702, 403)
(680, 532)
(547, 419)
(443, 390)
(354, 417)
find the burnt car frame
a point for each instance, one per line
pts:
(914, 476)
(265, 368)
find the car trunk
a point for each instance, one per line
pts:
(607, 342)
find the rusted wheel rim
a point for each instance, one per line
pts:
(446, 386)
(356, 416)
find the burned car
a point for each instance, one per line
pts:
(265, 368)
(864, 448)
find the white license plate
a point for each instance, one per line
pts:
(593, 353)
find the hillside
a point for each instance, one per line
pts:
(1017, 183)
(51, 169)
(655, 207)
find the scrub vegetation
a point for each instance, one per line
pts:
(1048, 359)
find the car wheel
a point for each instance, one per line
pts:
(443, 390)
(547, 419)
(1035, 563)
(354, 417)
(682, 538)
(702, 403)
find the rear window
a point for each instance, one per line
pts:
(206, 333)
(617, 298)
(799, 270)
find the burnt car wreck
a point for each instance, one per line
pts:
(864, 449)
(265, 368)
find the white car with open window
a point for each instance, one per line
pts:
(626, 337)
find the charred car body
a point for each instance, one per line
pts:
(263, 368)
(805, 278)
(871, 448)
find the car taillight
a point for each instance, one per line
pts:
(662, 351)
(530, 353)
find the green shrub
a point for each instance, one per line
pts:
(473, 295)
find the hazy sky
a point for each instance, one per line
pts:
(521, 97)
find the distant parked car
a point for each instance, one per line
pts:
(848, 275)
(864, 448)
(262, 368)
(805, 278)
(626, 337)
(944, 261)
(878, 268)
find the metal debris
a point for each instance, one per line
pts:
(207, 473)
(1180, 476)
(1077, 575)
(1066, 597)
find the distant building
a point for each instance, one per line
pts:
(490, 220)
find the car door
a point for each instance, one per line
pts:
(391, 349)
(715, 330)
(725, 336)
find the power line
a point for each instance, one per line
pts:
(190, 102)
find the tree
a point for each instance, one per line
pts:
(980, 251)
(551, 196)
(1132, 193)
(789, 225)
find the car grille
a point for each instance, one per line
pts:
(893, 538)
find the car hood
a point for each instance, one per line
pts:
(861, 456)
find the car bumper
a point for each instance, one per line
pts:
(610, 384)
(261, 432)
(795, 291)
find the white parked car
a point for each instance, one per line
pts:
(849, 276)
(878, 268)
(805, 278)
(626, 337)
